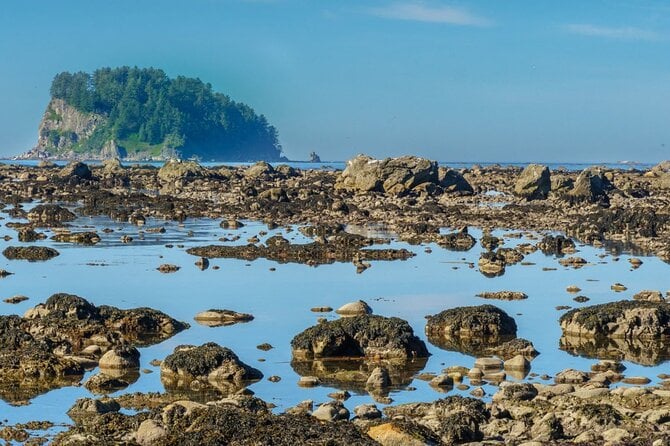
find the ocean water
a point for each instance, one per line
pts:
(124, 275)
(340, 165)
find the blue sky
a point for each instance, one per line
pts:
(489, 80)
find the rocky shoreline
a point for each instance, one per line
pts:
(206, 400)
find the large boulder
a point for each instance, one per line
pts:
(591, 185)
(76, 169)
(451, 180)
(177, 172)
(391, 175)
(470, 329)
(259, 170)
(623, 319)
(365, 336)
(208, 364)
(534, 182)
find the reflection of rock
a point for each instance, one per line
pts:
(360, 336)
(208, 365)
(354, 374)
(641, 351)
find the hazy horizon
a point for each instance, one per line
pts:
(482, 82)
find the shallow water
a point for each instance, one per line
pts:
(124, 275)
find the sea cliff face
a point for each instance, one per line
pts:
(61, 128)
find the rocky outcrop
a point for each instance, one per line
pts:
(391, 175)
(470, 329)
(209, 364)
(53, 343)
(365, 336)
(452, 181)
(534, 182)
(623, 319)
(592, 185)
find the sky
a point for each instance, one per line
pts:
(488, 80)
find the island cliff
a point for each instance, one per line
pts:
(141, 114)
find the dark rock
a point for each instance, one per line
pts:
(360, 336)
(30, 253)
(470, 329)
(534, 182)
(208, 364)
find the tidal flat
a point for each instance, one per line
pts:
(138, 231)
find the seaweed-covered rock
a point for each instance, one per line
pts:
(84, 238)
(50, 215)
(359, 336)
(454, 419)
(622, 319)
(514, 347)
(30, 253)
(233, 421)
(208, 364)
(491, 264)
(342, 247)
(55, 341)
(457, 241)
(534, 182)
(470, 329)
(556, 245)
(503, 295)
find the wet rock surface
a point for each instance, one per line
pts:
(59, 342)
(364, 336)
(470, 329)
(55, 342)
(191, 367)
(30, 253)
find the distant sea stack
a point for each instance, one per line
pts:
(141, 114)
